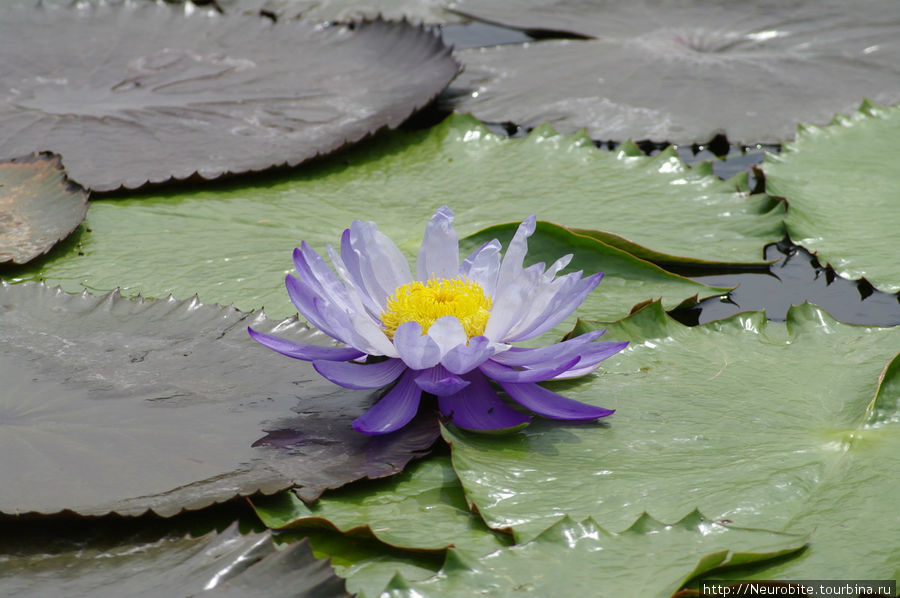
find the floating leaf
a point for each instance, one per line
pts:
(853, 513)
(841, 184)
(232, 243)
(117, 405)
(423, 508)
(38, 207)
(428, 11)
(740, 418)
(367, 565)
(217, 565)
(684, 72)
(144, 92)
(650, 558)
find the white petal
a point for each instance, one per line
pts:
(382, 266)
(483, 266)
(418, 351)
(439, 252)
(447, 332)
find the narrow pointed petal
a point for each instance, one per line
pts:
(448, 333)
(394, 410)
(502, 373)
(591, 358)
(439, 252)
(551, 405)
(511, 266)
(438, 381)
(560, 309)
(517, 356)
(483, 266)
(418, 351)
(304, 352)
(464, 358)
(477, 407)
(341, 267)
(361, 376)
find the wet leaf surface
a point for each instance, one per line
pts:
(684, 72)
(118, 405)
(143, 92)
(415, 11)
(234, 242)
(571, 558)
(38, 207)
(428, 494)
(740, 418)
(841, 186)
(217, 565)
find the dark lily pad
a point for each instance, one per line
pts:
(684, 71)
(217, 565)
(144, 92)
(38, 207)
(116, 405)
(427, 11)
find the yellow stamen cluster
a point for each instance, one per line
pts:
(426, 302)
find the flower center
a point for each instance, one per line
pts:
(426, 302)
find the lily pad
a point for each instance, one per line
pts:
(217, 565)
(233, 243)
(423, 508)
(650, 558)
(117, 405)
(366, 564)
(741, 418)
(850, 512)
(416, 11)
(841, 185)
(683, 72)
(139, 92)
(38, 207)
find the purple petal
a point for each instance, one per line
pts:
(419, 351)
(304, 352)
(439, 252)
(477, 407)
(438, 381)
(305, 299)
(502, 373)
(360, 376)
(464, 358)
(591, 358)
(394, 410)
(551, 405)
(518, 356)
(560, 308)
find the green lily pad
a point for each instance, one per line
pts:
(853, 513)
(841, 184)
(682, 71)
(741, 418)
(423, 508)
(136, 92)
(116, 405)
(38, 207)
(366, 564)
(217, 565)
(232, 243)
(650, 558)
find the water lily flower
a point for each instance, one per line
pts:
(447, 332)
